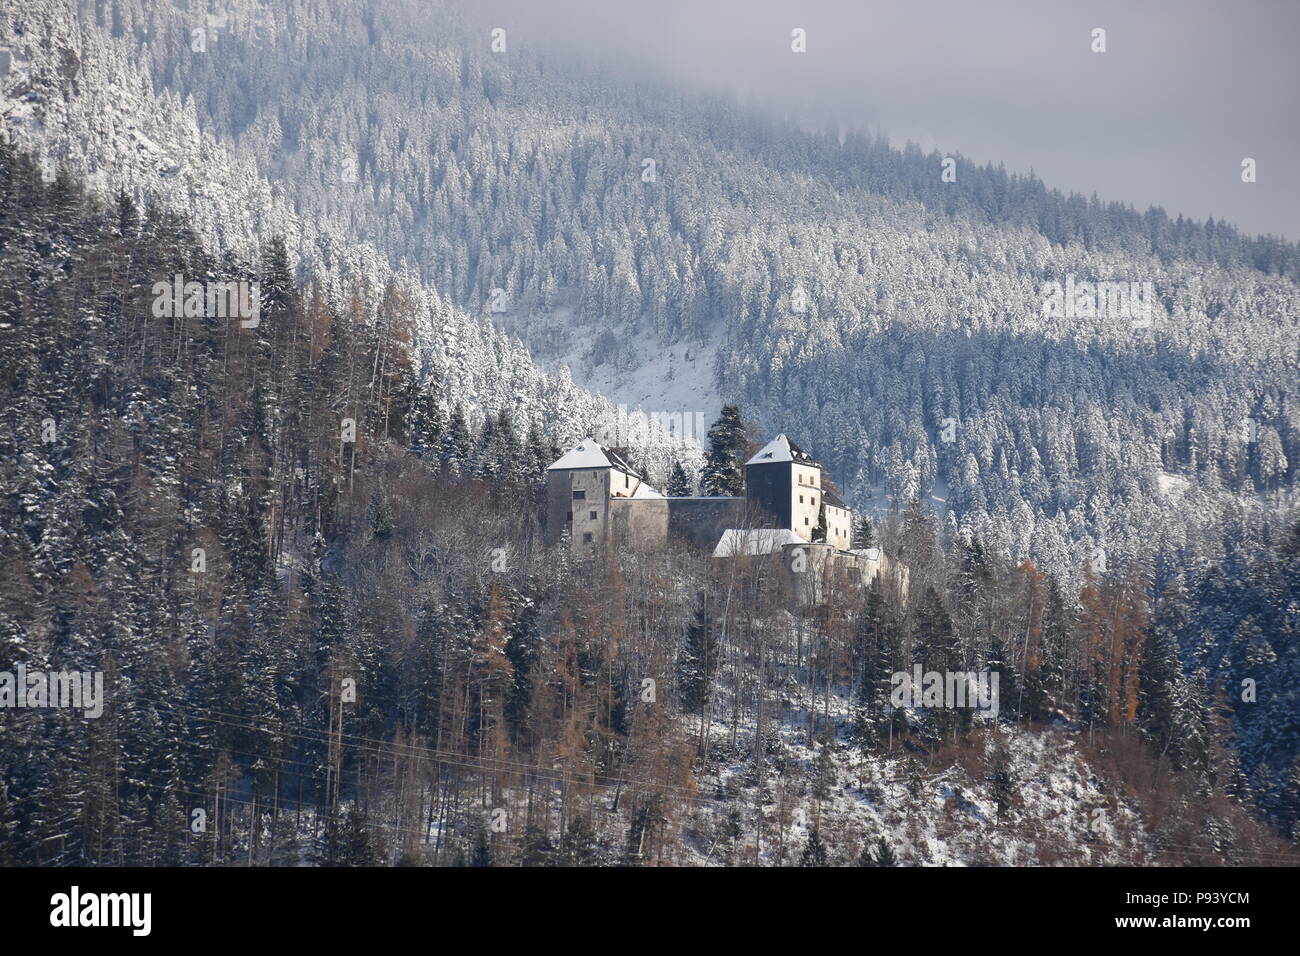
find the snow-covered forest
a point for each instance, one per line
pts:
(518, 190)
(1100, 510)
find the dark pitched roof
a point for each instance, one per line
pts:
(781, 449)
(800, 455)
(616, 459)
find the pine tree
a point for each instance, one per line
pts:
(128, 216)
(538, 849)
(347, 840)
(1002, 783)
(880, 649)
(578, 844)
(1159, 695)
(824, 774)
(379, 514)
(864, 532)
(698, 662)
(679, 483)
(456, 442)
(480, 854)
(724, 471)
(423, 416)
(276, 284)
(814, 851)
(1007, 695)
(880, 855)
(937, 650)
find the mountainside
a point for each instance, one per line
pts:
(472, 259)
(67, 78)
(836, 286)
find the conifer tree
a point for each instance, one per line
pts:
(698, 662)
(864, 532)
(456, 442)
(1002, 783)
(679, 483)
(882, 854)
(480, 854)
(423, 416)
(824, 776)
(814, 851)
(724, 462)
(880, 649)
(578, 844)
(538, 849)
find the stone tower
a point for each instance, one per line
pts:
(784, 481)
(579, 489)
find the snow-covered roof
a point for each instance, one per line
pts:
(736, 541)
(780, 449)
(871, 554)
(590, 453)
(645, 491)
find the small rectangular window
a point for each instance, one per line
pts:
(627, 481)
(801, 499)
(814, 500)
(586, 538)
(593, 516)
(568, 516)
(580, 496)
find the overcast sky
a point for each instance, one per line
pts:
(1185, 90)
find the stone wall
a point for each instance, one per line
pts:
(650, 522)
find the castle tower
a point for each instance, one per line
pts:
(784, 480)
(579, 488)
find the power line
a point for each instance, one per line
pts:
(390, 749)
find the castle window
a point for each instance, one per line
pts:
(593, 516)
(805, 519)
(586, 538)
(627, 481)
(568, 516)
(580, 496)
(814, 501)
(801, 499)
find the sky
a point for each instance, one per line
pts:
(1185, 90)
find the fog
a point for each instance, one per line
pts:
(1184, 91)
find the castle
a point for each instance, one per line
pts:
(594, 497)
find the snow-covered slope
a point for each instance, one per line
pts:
(834, 286)
(79, 99)
(1060, 813)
